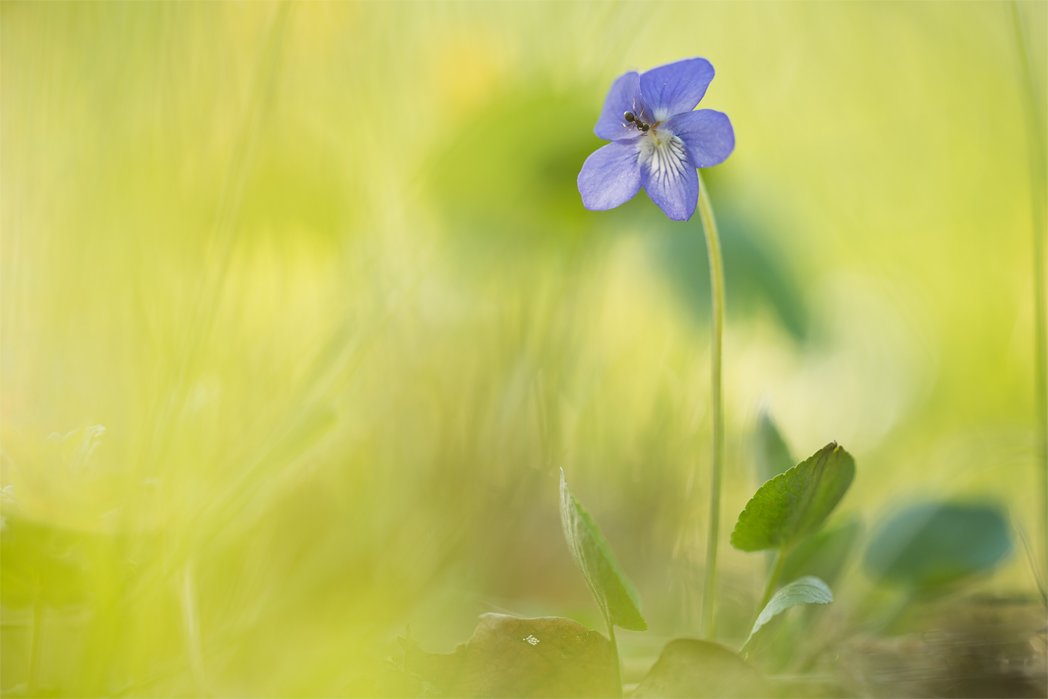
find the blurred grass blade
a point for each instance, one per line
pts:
(610, 587)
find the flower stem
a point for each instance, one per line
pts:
(709, 226)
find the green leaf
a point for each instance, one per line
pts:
(823, 554)
(806, 590)
(773, 456)
(614, 593)
(932, 545)
(512, 657)
(699, 669)
(795, 503)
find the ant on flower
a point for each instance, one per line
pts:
(631, 118)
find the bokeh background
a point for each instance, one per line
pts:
(302, 315)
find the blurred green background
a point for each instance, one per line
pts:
(301, 315)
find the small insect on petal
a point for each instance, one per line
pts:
(631, 118)
(531, 640)
(659, 140)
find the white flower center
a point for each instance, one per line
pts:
(663, 154)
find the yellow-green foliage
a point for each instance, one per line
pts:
(301, 313)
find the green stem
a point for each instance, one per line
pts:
(1038, 178)
(769, 589)
(773, 579)
(709, 226)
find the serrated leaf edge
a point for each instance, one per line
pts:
(833, 447)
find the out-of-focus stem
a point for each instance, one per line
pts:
(773, 579)
(191, 626)
(615, 652)
(1038, 183)
(709, 226)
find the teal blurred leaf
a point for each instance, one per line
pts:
(773, 456)
(795, 503)
(806, 590)
(930, 545)
(610, 587)
(512, 657)
(761, 281)
(691, 668)
(823, 554)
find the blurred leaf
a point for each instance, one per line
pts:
(513, 657)
(773, 456)
(934, 544)
(45, 564)
(614, 593)
(759, 277)
(692, 668)
(473, 189)
(806, 590)
(824, 554)
(795, 503)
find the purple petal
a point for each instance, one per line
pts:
(610, 177)
(622, 97)
(707, 135)
(676, 87)
(675, 191)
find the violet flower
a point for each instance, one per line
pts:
(657, 141)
